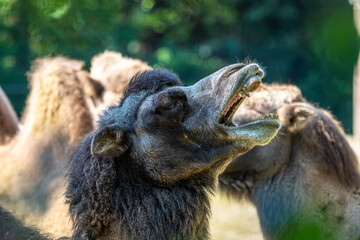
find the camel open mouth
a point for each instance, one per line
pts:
(239, 96)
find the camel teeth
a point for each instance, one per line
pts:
(269, 116)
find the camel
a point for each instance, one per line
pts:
(305, 182)
(8, 119)
(56, 118)
(114, 71)
(147, 170)
(110, 73)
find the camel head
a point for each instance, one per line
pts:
(294, 117)
(307, 133)
(306, 178)
(174, 131)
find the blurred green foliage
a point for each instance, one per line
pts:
(312, 44)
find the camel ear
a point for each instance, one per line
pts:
(109, 141)
(295, 116)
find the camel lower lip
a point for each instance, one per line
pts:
(271, 117)
(268, 126)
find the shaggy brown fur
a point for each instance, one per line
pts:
(32, 163)
(8, 119)
(306, 180)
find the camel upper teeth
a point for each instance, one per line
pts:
(244, 94)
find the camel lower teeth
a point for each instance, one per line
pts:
(269, 116)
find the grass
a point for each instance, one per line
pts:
(233, 220)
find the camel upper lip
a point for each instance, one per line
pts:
(245, 86)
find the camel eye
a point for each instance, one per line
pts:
(174, 104)
(171, 105)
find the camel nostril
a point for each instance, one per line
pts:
(260, 73)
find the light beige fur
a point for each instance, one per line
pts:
(32, 164)
(114, 71)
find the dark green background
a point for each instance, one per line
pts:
(312, 44)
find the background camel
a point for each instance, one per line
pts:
(303, 183)
(8, 119)
(110, 73)
(147, 171)
(114, 71)
(56, 117)
(62, 107)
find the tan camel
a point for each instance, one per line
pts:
(56, 117)
(114, 71)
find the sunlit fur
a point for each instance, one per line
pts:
(32, 163)
(303, 182)
(114, 71)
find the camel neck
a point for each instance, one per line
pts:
(290, 204)
(150, 211)
(124, 203)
